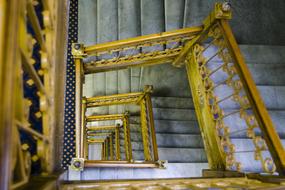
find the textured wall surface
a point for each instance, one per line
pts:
(254, 21)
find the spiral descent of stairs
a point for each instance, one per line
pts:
(178, 135)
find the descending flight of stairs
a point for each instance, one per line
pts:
(178, 135)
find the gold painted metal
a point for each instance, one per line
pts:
(113, 99)
(110, 136)
(210, 115)
(98, 134)
(111, 147)
(265, 123)
(105, 127)
(83, 137)
(16, 47)
(106, 143)
(151, 125)
(142, 40)
(141, 98)
(121, 164)
(127, 137)
(139, 60)
(215, 155)
(134, 44)
(95, 141)
(105, 118)
(145, 131)
(125, 120)
(117, 143)
(172, 184)
(78, 106)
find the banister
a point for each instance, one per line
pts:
(271, 136)
(109, 46)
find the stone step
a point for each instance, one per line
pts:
(263, 54)
(190, 155)
(174, 114)
(129, 26)
(170, 140)
(173, 170)
(244, 149)
(174, 14)
(234, 121)
(171, 126)
(256, 54)
(272, 97)
(172, 102)
(262, 74)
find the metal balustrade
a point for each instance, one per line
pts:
(29, 38)
(88, 133)
(212, 60)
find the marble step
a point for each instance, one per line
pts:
(175, 155)
(171, 126)
(172, 170)
(170, 140)
(272, 96)
(234, 121)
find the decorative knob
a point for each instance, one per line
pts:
(226, 6)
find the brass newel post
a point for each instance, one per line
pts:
(78, 54)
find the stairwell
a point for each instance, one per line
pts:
(178, 135)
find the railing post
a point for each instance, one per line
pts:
(117, 143)
(151, 126)
(145, 132)
(215, 155)
(106, 149)
(78, 54)
(111, 147)
(8, 45)
(207, 126)
(128, 145)
(83, 134)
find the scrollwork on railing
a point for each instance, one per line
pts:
(100, 134)
(230, 110)
(138, 51)
(31, 58)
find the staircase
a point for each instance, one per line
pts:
(178, 136)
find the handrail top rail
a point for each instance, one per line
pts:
(106, 117)
(103, 127)
(108, 46)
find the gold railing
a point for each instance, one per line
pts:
(87, 133)
(192, 47)
(126, 129)
(214, 62)
(16, 58)
(188, 183)
(134, 51)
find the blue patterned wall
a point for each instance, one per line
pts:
(69, 110)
